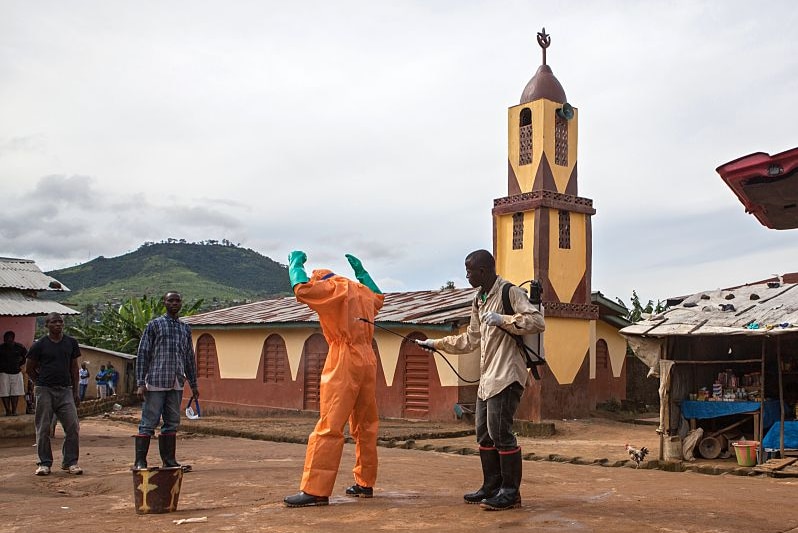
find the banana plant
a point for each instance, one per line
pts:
(120, 328)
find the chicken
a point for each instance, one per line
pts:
(637, 455)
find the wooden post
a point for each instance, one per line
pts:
(761, 453)
(781, 398)
(663, 354)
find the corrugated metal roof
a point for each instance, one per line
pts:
(15, 303)
(772, 307)
(109, 352)
(419, 307)
(23, 274)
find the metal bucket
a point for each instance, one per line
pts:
(156, 490)
(710, 447)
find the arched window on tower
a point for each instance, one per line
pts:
(560, 140)
(518, 231)
(525, 137)
(565, 229)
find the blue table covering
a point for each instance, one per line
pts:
(695, 409)
(771, 440)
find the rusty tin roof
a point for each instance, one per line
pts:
(434, 308)
(16, 303)
(763, 308)
(23, 274)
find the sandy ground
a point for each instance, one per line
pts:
(239, 483)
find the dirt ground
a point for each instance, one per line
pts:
(575, 480)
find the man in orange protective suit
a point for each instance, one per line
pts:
(348, 380)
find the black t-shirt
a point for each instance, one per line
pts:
(54, 360)
(11, 357)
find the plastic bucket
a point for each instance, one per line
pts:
(746, 452)
(672, 450)
(156, 490)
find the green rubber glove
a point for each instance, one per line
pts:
(296, 268)
(361, 274)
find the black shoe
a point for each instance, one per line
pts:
(481, 494)
(303, 499)
(505, 499)
(359, 491)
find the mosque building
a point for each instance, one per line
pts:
(269, 355)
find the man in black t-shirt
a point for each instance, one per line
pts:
(53, 367)
(12, 359)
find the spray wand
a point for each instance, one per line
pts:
(422, 347)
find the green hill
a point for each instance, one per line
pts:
(220, 274)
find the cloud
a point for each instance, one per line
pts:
(26, 144)
(380, 129)
(64, 220)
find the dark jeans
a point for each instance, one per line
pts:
(494, 418)
(157, 404)
(58, 401)
(82, 391)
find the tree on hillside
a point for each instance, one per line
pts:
(120, 328)
(638, 311)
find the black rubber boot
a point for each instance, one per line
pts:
(166, 445)
(142, 447)
(491, 476)
(509, 495)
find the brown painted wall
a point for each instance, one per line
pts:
(605, 386)
(548, 400)
(543, 400)
(246, 396)
(568, 401)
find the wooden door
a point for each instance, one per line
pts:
(314, 355)
(416, 381)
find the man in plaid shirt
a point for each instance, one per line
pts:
(165, 361)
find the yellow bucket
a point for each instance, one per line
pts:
(156, 490)
(746, 452)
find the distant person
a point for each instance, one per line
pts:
(12, 385)
(83, 380)
(502, 377)
(111, 379)
(99, 379)
(347, 391)
(53, 366)
(165, 361)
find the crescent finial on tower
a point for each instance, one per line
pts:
(544, 40)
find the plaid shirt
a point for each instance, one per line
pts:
(166, 354)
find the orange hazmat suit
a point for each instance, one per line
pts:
(348, 380)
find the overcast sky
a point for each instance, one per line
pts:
(379, 128)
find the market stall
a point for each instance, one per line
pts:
(727, 362)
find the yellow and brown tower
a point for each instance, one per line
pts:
(542, 231)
